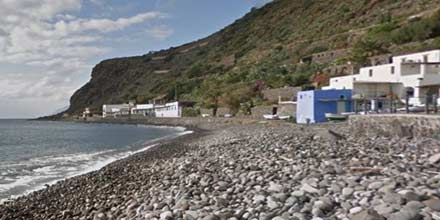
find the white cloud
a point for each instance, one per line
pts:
(56, 47)
(104, 25)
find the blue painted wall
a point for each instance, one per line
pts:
(322, 107)
(311, 104)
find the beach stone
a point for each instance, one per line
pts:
(191, 215)
(273, 187)
(406, 214)
(384, 209)
(375, 185)
(367, 215)
(416, 205)
(166, 215)
(259, 198)
(211, 217)
(355, 210)
(347, 191)
(298, 193)
(310, 189)
(434, 158)
(412, 196)
(335, 187)
(393, 198)
(434, 204)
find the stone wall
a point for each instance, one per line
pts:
(329, 56)
(341, 70)
(220, 111)
(286, 93)
(411, 126)
(189, 122)
(259, 111)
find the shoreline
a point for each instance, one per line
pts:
(149, 144)
(239, 170)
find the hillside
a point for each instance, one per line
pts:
(263, 49)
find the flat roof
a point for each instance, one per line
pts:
(371, 82)
(420, 63)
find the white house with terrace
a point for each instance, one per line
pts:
(415, 76)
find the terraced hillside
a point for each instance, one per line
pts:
(264, 49)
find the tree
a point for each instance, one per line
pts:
(365, 48)
(235, 97)
(211, 90)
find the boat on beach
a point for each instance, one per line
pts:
(336, 117)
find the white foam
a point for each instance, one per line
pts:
(86, 162)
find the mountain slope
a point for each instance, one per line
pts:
(264, 46)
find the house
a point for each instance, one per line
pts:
(116, 110)
(312, 106)
(143, 109)
(415, 77)
(87, 113)
(172, 110)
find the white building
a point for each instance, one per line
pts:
(414, 75)
(172, 110)
(169, 110)
(115, 110)
(143, 109)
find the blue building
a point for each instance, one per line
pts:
(313, 105)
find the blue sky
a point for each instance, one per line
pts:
(48, 48)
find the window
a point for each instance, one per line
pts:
(425, 58)
(371, 73)
(393, 70)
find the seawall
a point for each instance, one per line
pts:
(410, 126)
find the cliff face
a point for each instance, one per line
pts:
(266, 45)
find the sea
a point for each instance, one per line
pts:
(34, 154)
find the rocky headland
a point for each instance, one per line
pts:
(255, 171)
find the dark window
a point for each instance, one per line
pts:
(392, 70)
(371, 73)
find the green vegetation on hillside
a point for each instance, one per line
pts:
(267, 45)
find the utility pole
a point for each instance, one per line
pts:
(175, 92)
(427, 103)
(407, 104)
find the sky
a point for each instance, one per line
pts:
(49, 47)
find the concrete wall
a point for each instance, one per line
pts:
(410, 126)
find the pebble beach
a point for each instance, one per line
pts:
(254, 171)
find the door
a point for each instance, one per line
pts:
(340, 107)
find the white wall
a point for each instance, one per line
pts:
(433, 56)
(305, 107)
(382, 73)
(407, 75)
(343, 82)
(170, 110)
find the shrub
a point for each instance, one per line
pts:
(190, 112)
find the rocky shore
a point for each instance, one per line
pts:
(254, 171)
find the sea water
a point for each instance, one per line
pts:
(36, 153)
